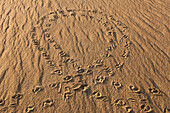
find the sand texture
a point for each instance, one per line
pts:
(84, 56)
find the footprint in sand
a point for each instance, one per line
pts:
(17, 96)
(29, 109)
(146, 108)
(109, 49)
(105, 24)
(119, 22)
(52, 17)
(37, 89)
(80, 70)
(119, 102)
(119, 65)
(13, 103)
(79, 76)
(98, 63)
(47, 35)
(46, 30)
(40, 48)
(125, 36)
(50, 40)
(80, 86)
(108, 55)
(76, 86)
(56, 46)
(128, 109)
(154, 91)
(45, 55)
(109, 28)
(97, 95)
(85, 88)
(106, 69)
(33, 30)
(134, 89)
(48, 102)
(143, 100)
(127, 45)
(110, 32)
(73, 14)
(48, 25)
(112, 42)
(67, 79)
(35, 41)
(67, 93)
(53, 85)
(57, 71)
(116, 85)
(89, 72)
(125, 53)
(90, 66)
(111, 73)
(63, 54)
(131, 99)
(56, 85)
(66, 60)
(51, 63)
(99, 79)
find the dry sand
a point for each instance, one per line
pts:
(84, 56)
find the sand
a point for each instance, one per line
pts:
(84, 56)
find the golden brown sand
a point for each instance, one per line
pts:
(84, 56)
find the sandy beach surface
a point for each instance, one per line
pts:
(84, 56)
